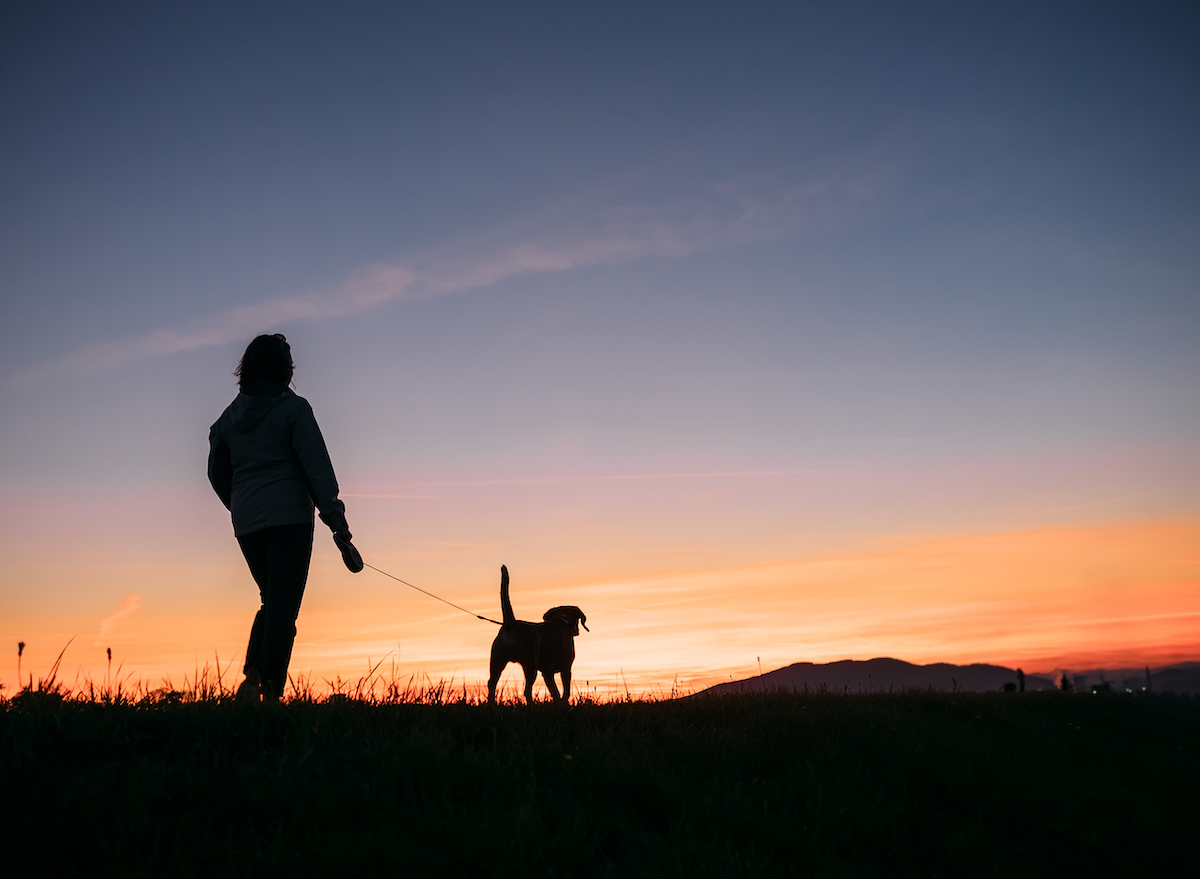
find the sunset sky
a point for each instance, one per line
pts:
(762, 332)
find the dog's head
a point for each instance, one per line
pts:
(569, 615)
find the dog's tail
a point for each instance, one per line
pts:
(505, 604)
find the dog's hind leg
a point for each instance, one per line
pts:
(497, 668)
(530, 680)
(548, 677)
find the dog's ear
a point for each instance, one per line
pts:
(566, 614)
(583, 620)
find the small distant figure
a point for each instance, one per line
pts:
(1010, 687)
(1021, 680)
(1065, 685)
(268, 464)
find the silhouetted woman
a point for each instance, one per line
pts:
(268, 464)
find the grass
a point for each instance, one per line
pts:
(425, 781)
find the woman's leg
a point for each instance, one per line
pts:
(255, 548)
(278, 558)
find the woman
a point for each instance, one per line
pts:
(268, 464)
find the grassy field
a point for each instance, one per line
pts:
(914, 783)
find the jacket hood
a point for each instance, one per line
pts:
(248, 409)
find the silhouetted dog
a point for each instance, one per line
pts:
(547, 647)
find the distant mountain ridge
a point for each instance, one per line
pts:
(885, 674)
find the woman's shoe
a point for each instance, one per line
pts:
(250, 689)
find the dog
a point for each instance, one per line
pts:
(548, 647)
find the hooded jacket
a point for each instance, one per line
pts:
(268, 464)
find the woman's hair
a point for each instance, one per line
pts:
(267, 357)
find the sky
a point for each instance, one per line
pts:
(764, 332)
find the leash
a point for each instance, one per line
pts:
(354, 562)
(431, 595)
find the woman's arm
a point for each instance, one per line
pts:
(220, 467)
(318, 469)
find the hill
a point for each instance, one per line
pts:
(891, 675)
(881, 676)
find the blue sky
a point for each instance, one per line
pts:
(946, 252)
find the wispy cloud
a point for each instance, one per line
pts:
(614, 477)
(365, 288)
(130, 604)
(568, 237)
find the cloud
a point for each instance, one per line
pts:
(613, 477)
(569, 236)
(130, 604)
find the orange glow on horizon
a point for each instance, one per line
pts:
(1112, 595)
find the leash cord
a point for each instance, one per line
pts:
(431, 595)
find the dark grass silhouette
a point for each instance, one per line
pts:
(429, 781)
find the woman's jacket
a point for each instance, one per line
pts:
(268, 463)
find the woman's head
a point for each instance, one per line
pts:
(267, 357)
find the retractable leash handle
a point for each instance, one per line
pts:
(349, 554)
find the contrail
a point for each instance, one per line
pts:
(130, 604)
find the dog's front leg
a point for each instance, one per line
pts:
(566, 676)
(548, 677)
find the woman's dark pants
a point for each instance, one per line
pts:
(278, 559)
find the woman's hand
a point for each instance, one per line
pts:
(350, 555)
